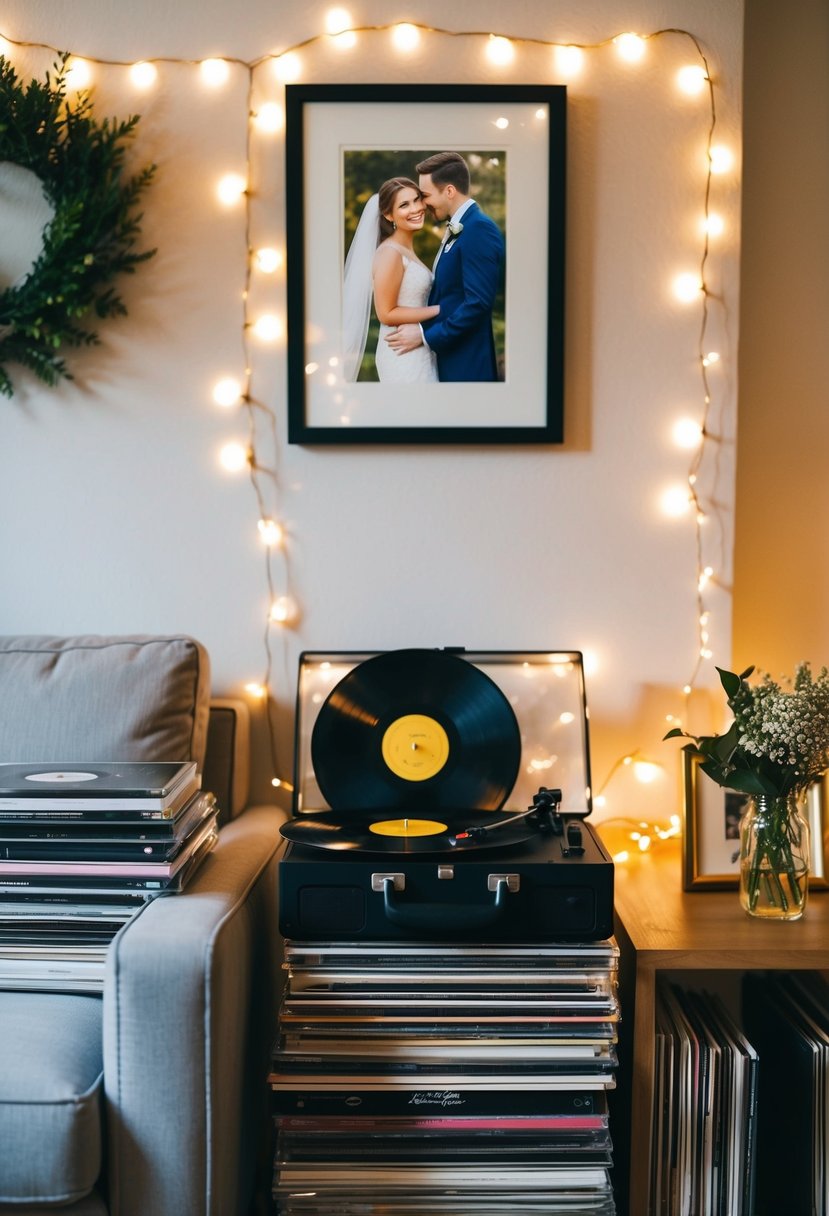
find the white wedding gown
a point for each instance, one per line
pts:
(420, 364)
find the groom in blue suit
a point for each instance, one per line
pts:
(467, 273)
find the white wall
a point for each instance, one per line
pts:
(116, 517)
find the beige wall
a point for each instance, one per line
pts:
(781, 581)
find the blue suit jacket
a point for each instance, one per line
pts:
(466, 280)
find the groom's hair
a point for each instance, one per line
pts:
(447, 169)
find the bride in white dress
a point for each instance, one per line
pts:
(382, 265)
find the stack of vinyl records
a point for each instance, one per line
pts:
(82, 850)
(438, 1077)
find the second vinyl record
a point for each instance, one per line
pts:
(413, 727)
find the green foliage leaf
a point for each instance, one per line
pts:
(91, 238)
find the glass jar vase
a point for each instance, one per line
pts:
(774, 857)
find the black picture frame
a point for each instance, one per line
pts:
(327, 123)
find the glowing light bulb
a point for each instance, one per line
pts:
(675, 501)
(337, 20)
(270, 117)
(268, 260)
(644, 843)
(599, 801)
(214, 72)
(227, 392)
(310, 368)
(686, 690)
(78, 75)
(499, 51)
(711, 358)
(287, 67)
(271, 532)
(405, 36)
(621, 857)
(231, 188)
(687, 433)
(691, 79)
(282, 610)
(234, 457)
(569, 60)
(256, 690)
(721, 159)
(631, 47)
(646, 771)
(687, 287)
(502, 123)
(566, 718)
(143, 75)
(268, 327)
(705, 578)
(713, 224)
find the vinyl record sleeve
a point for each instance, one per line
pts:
(148, 786)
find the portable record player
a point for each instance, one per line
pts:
(443, 794)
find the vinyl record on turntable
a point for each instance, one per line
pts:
(413, 727)
(361, 832)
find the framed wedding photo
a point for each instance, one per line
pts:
(711, 831)
(425, 263)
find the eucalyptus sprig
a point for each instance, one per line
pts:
(92, 236)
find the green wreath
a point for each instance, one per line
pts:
(92, 235)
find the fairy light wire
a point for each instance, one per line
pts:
(251, 406)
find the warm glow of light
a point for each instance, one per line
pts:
(590, 662)
(691, 79)
(566, 718)
(256, 690)
(268, 327)
(282, 610)
(214, 72)
(5, 48)
(631, 47)
(234, 456)
(705, 577)
(502, 123)
(143, 75)
(711, 358)
(270, 117)
(721, 159)
(644, 843)
(623, 856)
(78, 75)
(227, 392)
(687, 433)
(646, 771)
(675, 502)
(599, 801)
(270, 532)
(345, 41)
(268, 260)
(499, 51)
(713, 224)
(405, 36)
(310, 368)
(231, 188)
(569, 60)
(687, 287)
(281, 784)
(337, 20)
(287, 67)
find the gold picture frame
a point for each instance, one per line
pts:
(710, 831)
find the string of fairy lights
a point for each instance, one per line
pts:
(235, 393)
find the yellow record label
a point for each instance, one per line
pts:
(415, 747)
(407, 827)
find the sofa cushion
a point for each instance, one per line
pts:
(103, 698)
(51, 1064)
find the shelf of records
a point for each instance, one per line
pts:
(741, 1104)
(414, 1077)
(83, 850)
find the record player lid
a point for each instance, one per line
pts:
(540, 692)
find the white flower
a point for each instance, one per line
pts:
(455, 228)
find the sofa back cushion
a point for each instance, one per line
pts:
(103, 698)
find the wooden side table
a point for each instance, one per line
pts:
(661, 928)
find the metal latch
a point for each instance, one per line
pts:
(513, 881)
(378, 881)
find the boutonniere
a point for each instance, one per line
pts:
(455, 228)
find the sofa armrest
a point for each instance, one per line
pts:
(189, 1016)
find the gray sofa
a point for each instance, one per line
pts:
(150, 1100)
